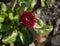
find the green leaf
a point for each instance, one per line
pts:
(11, 16)
(29, 5)
(0, 25)
(38, 29)
(49, 1)
(25, 37)
(3, 7)
(44, 30)
(41, 28)
(42, 3)
(22, 8)
(21, 37)
(5, 27)
(16, 18)
(0, 36)
(37, 26)
(1, 19)
(3, 14)
(39, 22)
(10, 38)
(33, 3)
(47, 28)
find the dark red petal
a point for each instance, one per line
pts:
(30, 16)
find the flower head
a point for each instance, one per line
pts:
(27, 18)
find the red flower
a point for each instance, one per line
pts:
(27, 19)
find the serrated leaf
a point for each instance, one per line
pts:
(41, 28)
(10, 38)
(39, 22)
(44, 30)
(3, 7)
(47, 28)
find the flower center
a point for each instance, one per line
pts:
(28, 18)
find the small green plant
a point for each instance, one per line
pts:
(14, 22)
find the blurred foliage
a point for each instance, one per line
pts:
(46, 2)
